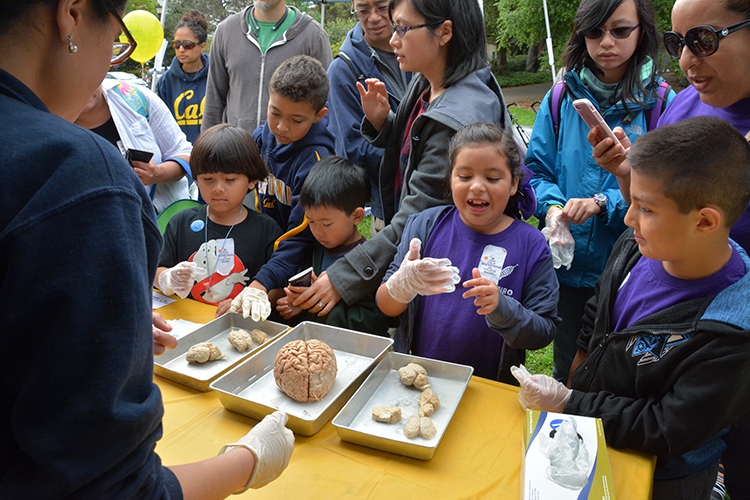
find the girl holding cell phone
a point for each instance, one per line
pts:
(610, 60)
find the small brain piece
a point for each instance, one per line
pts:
(259, 336)
(427, 428)
(414, 374)
(428, 403)
(386, 414)
(203, 352)
(240, 339)
(411, 429)
(305, 371)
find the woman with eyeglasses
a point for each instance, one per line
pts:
(183, 86)
(443, 43)
(611, 61)
(79, 244)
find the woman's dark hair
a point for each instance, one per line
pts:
(593, 14)
(490, 134)
(467, 50)
(741, 6)
(196, 23)
(227, 149)
(13, 11)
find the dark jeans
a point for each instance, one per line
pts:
(695, 487)
(570, 310)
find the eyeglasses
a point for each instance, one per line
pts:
(363, 14)
(402, 30)
(620, 33)
(701, 40)
(187, 44)
(121, 50)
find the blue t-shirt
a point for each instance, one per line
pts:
(649, 288)
(448, 327)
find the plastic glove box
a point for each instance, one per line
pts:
(559, 448)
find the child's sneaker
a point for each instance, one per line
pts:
(720, 490)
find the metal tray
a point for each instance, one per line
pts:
(251, 389)
(383, 387)
(173, 365)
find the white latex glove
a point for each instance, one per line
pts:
(417, 276)
(252, 301)
(179, 279)
(272, 444)
(540, 392)
(561, 243)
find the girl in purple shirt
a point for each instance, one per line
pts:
(509, 297)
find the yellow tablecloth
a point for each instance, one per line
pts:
(479, 456)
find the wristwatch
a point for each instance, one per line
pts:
(601, 200)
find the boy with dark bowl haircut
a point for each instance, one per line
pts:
(334, 197)
(664, 352)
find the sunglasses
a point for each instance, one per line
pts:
(620, 33)
(187, 44)
(701, 40)
(121, 50)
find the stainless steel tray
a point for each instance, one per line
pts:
(251, 389)
(173, 365)
(383, 387)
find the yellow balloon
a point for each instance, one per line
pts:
(148, 34)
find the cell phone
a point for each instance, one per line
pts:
(132, 155)
(593, 118)
(302, 279)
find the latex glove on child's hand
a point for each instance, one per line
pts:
(561, 242)
(252, 301)
(540, 392)
(272, 444)
(179, 279)
(417, 276)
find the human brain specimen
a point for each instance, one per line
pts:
(414, 374)
(240, 339)
(305, 371)
(202, 352)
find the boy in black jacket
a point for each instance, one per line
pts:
(664, 355)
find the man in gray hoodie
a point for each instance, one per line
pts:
(247, 48)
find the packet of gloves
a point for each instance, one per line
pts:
(565, 457)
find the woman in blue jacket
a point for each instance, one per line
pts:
(183, 85)
(610, 57)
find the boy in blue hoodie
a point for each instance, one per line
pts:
(291, 141)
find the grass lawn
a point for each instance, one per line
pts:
(540, 361)
(524, 116)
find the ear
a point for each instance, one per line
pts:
(251, 185)
(709, 219)
(358, 215)
(69, 15)
(514, 189)
(320, 115)
(445, 32)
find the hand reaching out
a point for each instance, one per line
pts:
(162, 340)
(540, 392)
(320, 297)
(486, 292)
(417, 276)
(374, 102)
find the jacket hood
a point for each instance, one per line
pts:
(731, 305)
(317, 136)
(300, 21)
(475, 98)
(176, 68)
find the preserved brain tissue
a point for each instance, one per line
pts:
(305, 371)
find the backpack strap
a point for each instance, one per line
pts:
(134, 98)
(661, 104)
(358, 75)
(555, 103)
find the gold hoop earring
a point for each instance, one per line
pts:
(71, 48)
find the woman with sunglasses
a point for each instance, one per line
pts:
(443, 43)
(610, 60)
(79, 244)
(183, 86)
